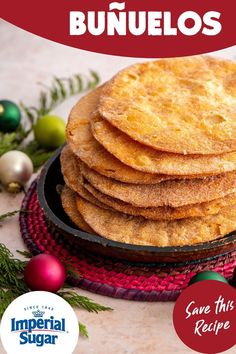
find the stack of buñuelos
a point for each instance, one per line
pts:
(151, 155)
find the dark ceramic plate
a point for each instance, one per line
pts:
(49, 200)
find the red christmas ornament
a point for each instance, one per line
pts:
(45, 272)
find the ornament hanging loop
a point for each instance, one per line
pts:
(13, 187)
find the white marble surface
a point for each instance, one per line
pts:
(25, 61)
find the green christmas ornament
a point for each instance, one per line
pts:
(10, 116)
(49, 131)
(207, 275)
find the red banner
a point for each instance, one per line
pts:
(135, 28)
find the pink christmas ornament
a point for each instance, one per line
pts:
(45, 272)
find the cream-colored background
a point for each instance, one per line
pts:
(25, 61)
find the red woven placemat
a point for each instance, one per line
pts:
(112, 277)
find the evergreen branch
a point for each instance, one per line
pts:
(12, 285)
(7, 260)
(83, 330)
(71, 271)
(49, 98)
(63, 88)
(43, 104)
(6, 297)
(12, 213)
(7, 142)
(71, 86)
(12, 141)
(84, 302)
(28, 113)
(37, 154)
(25, 254)
(95, 80)
(8, 215)
(68, 261)
(79, 83)
(11, 272)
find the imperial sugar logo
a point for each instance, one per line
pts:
(39, 321)
(27, 327)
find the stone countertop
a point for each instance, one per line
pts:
(26, 61)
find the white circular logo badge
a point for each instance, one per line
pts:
(39, 322)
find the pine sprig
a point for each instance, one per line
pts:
(11, 141)
(49, 98)
(7, 142)
(25, 254)
(6, 297)
(10, 267)
(76, 300)
(12, 285)
(83, 330)
(8, 215)
(60, 90)
(37, 154)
